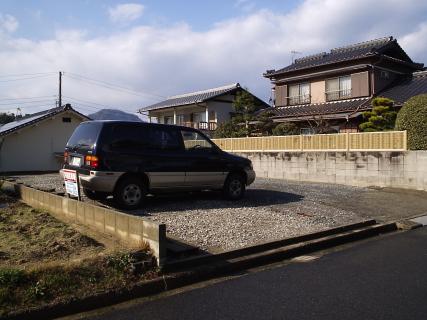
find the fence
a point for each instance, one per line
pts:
(363, 141)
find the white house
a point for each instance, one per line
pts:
(37, 141)
(203, 110)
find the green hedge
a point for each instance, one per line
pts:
(413, 118)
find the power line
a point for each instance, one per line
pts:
(108, 85)
(25, 74)
(26, 78)
(26, 107)
(39, 97)
(25, 102)
(91, 102)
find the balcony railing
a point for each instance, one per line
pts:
(202, 125)
(303, 99)
(338, 95)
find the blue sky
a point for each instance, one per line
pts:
(129, 54)
(40, 19)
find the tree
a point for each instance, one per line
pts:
(264, 123)
(286, 129)
(380, 118)
(245, 106)
(6, 118)
(413, 118)
(232, 128)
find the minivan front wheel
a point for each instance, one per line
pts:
(129, 193)
(234, 187)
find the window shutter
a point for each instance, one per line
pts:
(281, 93)
(360, 84)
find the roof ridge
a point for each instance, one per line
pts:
(363, 44)
(230, 86)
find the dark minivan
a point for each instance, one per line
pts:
(130, 159)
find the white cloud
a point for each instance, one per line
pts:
(125, 13)
(8, 23)
(177, 59)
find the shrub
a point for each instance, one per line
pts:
(413, 118)
(286, 129)
(380, 118)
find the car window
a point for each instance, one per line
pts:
(161, 138)
(85, 135)
(195, 141)
(129, 138)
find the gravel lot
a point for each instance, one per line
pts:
(271, 209)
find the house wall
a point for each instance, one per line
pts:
(32, 148)
(317, 91)
(380, 82)
(222, 109)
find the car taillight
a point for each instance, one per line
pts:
(92, 161)
(65, 157)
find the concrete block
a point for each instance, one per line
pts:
(122, 226)
(80, 215)
(90, 215)
(99, 215)
(136, 227)
(110, 221)
(72, 209)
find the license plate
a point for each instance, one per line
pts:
(76, 161)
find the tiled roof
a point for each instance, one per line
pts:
(191, 98)
(351, 52)
(34, 118)
(344, 106)
(406, 88)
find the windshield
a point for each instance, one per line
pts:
(85, 135)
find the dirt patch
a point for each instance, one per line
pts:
(44, 261)
(29, 236)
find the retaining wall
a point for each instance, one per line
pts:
(402, 169)
(131, 230)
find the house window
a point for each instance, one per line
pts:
(168, 120)
(338, 88)
(299, 93)
(66, 119)
(180, 119)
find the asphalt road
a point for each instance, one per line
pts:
(385, 278)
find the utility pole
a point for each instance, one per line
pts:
(60, 89)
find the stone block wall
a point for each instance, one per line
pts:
(403, 169)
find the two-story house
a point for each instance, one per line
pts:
(337, 86)
(203, 110)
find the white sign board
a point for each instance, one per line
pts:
(71, 182)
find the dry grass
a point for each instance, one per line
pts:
(44, 261)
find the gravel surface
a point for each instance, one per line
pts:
(271, 209)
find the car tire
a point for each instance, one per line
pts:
(129, 193)
(95, 195)
(234, 187)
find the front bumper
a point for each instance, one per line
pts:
(250, 174)
(98, 180)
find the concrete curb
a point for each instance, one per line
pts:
(212, 270)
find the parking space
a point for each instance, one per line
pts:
(271, 209)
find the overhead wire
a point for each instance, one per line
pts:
(111, 86)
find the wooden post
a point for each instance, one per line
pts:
(405, 140)
(347, 141)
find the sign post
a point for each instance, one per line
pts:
(72, 183)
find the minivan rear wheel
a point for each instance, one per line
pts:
(129, 193)
(234, 187)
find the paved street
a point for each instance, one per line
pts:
(384, 278)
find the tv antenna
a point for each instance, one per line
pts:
(293, 54)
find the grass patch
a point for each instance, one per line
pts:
(44, 261)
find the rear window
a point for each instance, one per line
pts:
(85, 135)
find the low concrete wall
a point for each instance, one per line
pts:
(403, 169)
(128, 229)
